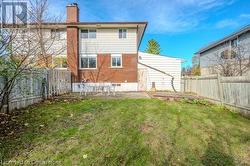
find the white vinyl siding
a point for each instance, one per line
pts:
(54, 46)
(166, 64)
(108, 41)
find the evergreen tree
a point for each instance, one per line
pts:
(153, 47)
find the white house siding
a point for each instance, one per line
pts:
(57, 47)
(169, 65)
(208, 58)
(107, 41)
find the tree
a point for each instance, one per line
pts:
(153, 47)
(232, 61)
(22, 49)
(195, 70)
(186, 71)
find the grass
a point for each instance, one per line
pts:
(128, 132)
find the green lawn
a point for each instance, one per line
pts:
(128, 132)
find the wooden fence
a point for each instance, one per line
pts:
(233, 91)
(37, 85)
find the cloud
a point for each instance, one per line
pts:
(172, 16)
(242, 19)
(245, 15)
(227, 23)
(164, 16)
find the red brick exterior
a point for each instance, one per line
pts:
(73, 51)
(105, 73)
(73, 41)
(72, 14)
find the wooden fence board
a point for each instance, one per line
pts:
(234, 91)
(33, 86)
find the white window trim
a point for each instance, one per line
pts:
(122, 33)
(88, 55)
(115, 55)
(58, 34)
(88, 33)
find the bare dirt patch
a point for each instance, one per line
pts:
(147, 127)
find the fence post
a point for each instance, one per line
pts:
(220, 89)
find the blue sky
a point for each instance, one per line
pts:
(180, 26)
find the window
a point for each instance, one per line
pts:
(88, 33)
(54, 34)
(228, 54)
(225, 54)
(88, 61)
(122, 33)
(234, 43)
(58, 34)
(116, 60)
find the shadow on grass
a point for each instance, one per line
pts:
(23, 126)
(215, 155)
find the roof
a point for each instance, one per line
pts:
(140, 25)
(98, 24)
(226, 38)
(155, 55)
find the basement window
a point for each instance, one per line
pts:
(88, 33)
(88, 61)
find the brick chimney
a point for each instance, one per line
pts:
(73, 40)
(72, 13)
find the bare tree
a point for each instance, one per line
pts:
(22, 49)
(232, 61)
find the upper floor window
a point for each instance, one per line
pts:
(228, 54)
(58, 34)
(88, 33)
(234, 43)
(116, 60)
(122, 33)
(88, 61)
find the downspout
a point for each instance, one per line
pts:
(172, 77)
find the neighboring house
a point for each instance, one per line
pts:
(151, 70)
(224, 51)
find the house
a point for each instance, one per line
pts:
(100, 52)
(103, 51)
(224, 51)
(157, 71)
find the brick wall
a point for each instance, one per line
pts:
(73, 41)
(104, 72)
(73, 51)
(72, 14)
